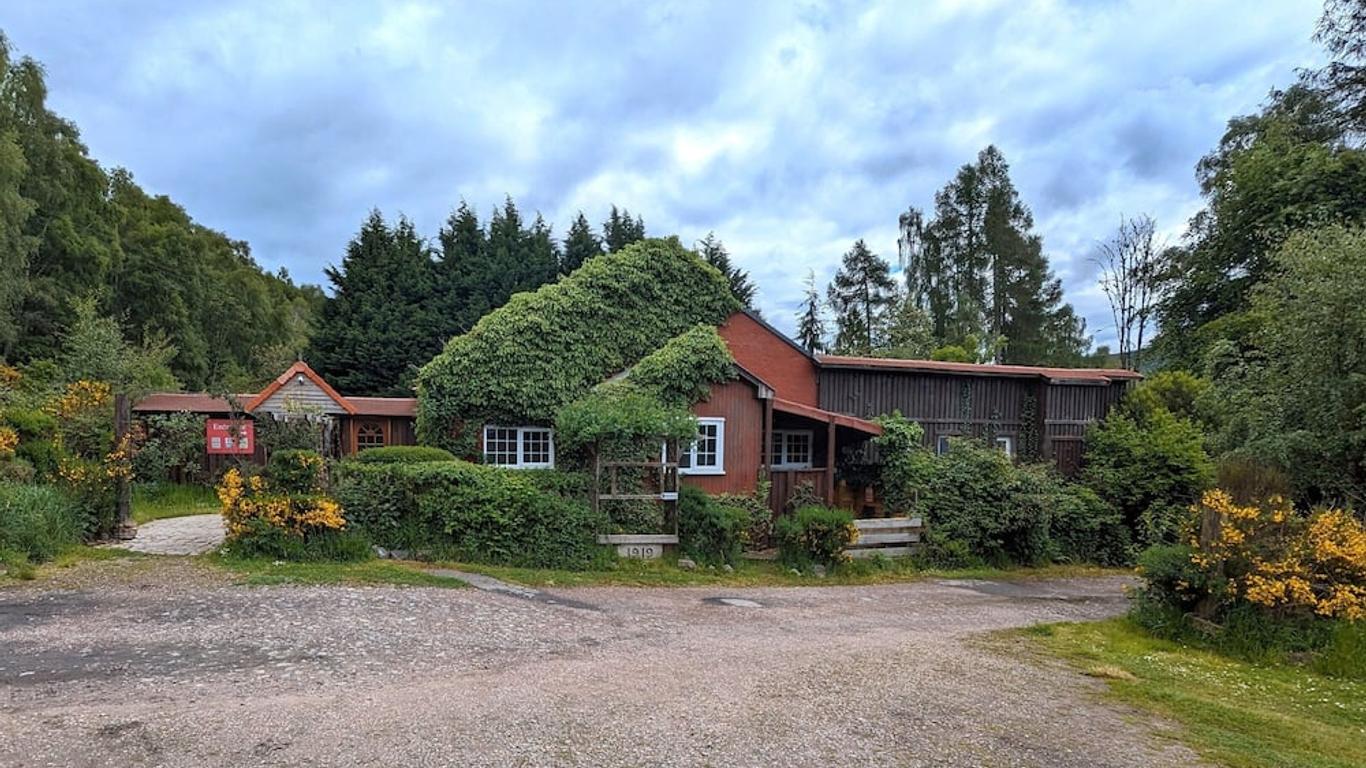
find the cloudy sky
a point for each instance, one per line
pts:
(789, 128)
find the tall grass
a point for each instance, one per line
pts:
(37, 522)
(154, 501)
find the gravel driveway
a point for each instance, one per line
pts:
(168, 671)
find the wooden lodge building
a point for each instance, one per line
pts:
(790, 415)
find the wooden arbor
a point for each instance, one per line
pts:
(659, 484)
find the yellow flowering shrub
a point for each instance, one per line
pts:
(250, 502)
(9, 441)
(1284, 562)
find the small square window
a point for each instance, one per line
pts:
(707, 454)
(791, 449)
(941, 446)
(1006, 444)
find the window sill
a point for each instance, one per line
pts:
(792, 467)
(703, 472)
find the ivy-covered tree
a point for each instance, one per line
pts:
(379, 323)
(713, 251)
(580, 245)
(860, 296)
(811, 318)
(620, 230)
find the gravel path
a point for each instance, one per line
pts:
(140, 672)
(188, 535)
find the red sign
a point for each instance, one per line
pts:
(229, 436)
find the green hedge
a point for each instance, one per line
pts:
(470, 512)
(296, 470)
(523, 362)
(403, 454)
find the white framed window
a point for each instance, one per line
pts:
(941, 446)
(792, 448)
(1006, 444)
(707, 454)
(519, 447)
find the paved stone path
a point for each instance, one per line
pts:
(189, 535)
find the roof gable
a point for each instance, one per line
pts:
(302, 383)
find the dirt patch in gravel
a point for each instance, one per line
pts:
(169, 673)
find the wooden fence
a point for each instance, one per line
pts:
(887, 536)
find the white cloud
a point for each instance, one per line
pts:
(791, 130)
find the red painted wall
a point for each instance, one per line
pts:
(765, 354)
(735, 401)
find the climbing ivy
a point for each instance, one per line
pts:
(542, 350)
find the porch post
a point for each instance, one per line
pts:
(830, 462)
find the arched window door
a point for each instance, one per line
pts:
(369, 434)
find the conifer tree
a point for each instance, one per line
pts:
(580, 245)
(811, 319)
(860, 296)
(713, 251)
(620, 230)
(380, 322)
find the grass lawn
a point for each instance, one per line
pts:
(268, 572)
(1232, 712)
(751, 573)
(154, 501)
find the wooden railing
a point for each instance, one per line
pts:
(787, 481)
(887, 536)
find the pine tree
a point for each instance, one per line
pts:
(462, 272)
(810, 320)
(711, 249)
(860, 295)
(580, 245)
(910, 334)
(620, 230)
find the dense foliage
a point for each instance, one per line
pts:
(469, 512)
(542, 350)
(711, 530)
(814, 535)
(1150, 469)
(70, 231)
(403, 454)
(171, 447)
(1293, 394)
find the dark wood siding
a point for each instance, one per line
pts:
(963, 405)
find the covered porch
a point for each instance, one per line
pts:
(801, 445)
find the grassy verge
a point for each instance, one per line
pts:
(267, 572)
(666, 573)
(22, 570)
(1236, 713)
(154, 501)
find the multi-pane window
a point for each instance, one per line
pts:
(707, 454)
(369, 435)
(519, 446)
(791, 449)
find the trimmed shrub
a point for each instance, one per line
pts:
(815, 535)
(570, 484)
(403, 454)
(709, 530)
(541, 350)
(296, 471)
(760, 527)
(37, 521)
(471, 512)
